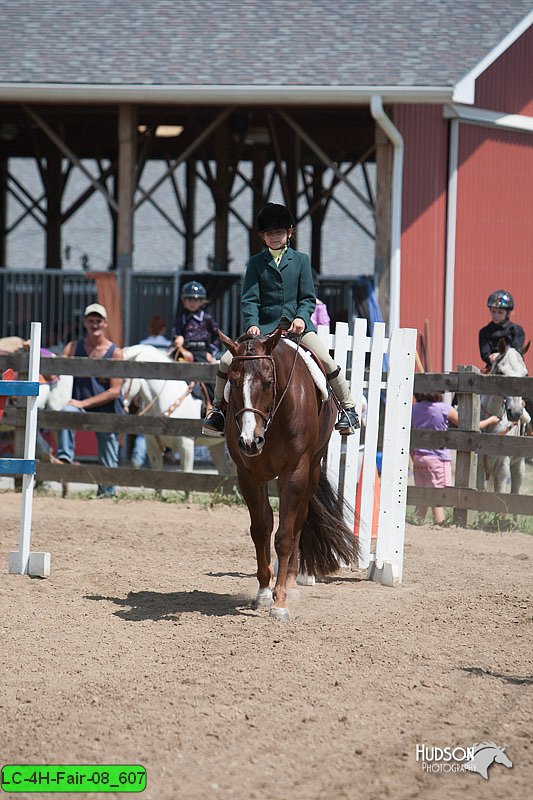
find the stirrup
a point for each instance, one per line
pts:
(348, 422)
(214, 423)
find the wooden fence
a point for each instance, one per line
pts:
(469, 443)
(91, 421)
(466, 439)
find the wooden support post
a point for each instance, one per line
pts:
(258, 201)
(190, 216)
(317, 218)
(221, 196)
(54, 192)
(4, 164)
(384, 154)
(466, 464)
(127, 144)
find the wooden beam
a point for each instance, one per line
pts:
(127, 170)
(384, 156)
(122, 476)
(108, 423)
(4, 166)
(471, 500)
(466, 463)
(113, 368)
(54, 193)
(190, 213)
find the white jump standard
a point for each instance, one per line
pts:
(23, 561)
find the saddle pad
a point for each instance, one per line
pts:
(319, 379)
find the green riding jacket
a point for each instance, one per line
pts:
(271, 293)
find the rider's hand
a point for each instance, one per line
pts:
(178, 341)
(253, 330)
(298, 326)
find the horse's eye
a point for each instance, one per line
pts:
(267, 385)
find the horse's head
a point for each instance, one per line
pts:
(486, 754)
(510, 362)
(252, 387)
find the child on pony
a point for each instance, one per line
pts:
(500, 305)
(278, 291)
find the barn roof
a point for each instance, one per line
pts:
(118, 46)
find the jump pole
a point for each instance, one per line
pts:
(23, 561)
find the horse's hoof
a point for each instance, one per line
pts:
(280, 613)
(263, 599)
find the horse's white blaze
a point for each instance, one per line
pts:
(248, 418)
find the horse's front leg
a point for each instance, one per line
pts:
(292, 505)
(501, 472)
(185, 447)
(518, 473)
(261, 525)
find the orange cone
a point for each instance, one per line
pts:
(8, 375)
(375, 510)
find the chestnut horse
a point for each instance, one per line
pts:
(278, 426)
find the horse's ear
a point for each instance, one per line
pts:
(230, 344)
(502, 345)
(272, 340)
(525, 348)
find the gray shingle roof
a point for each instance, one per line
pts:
(250, 42)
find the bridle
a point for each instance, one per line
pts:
(269, 415)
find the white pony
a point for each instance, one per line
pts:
(512, 416)
(173, 399)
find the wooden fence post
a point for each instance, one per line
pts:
(466, 464)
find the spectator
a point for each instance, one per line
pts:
(157, 328)
(500, 305)
(320, 315)
(94, 394)
(432, 466)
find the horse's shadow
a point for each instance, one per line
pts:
(517, 680)
(158, 606)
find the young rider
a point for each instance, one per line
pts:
(195, 331)
(278, 291)
(500, 304)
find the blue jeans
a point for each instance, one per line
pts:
(107, 449)
(139, 453)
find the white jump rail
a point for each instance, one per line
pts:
(391, 375)
(23, 561)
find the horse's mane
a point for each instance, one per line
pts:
(511, 364)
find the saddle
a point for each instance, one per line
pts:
(313, 364)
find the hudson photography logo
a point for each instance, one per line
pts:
(477, 758)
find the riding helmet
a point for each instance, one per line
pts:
(194, 290)
(501, 299)
(274, 216)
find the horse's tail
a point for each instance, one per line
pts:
(326, 542)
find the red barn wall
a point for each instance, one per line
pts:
(423, 242)
(507, 85)
(494, 241)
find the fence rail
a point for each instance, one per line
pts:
(469, 442)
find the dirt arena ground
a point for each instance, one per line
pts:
(142, 648)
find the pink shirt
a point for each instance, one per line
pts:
(432, 416)
(320, 315)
